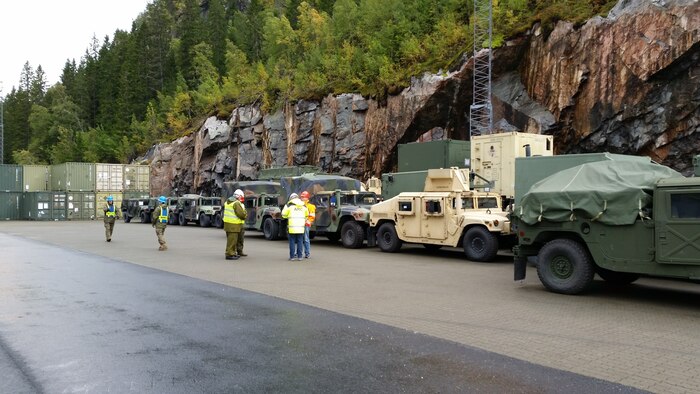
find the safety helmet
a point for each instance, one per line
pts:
(238, 193)
(110, 199)
(304, 194)
(293, 196)
(162, 199)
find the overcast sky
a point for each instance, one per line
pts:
(48, 32)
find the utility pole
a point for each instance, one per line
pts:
(480, 112)
(2, 127)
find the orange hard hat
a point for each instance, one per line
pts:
(304, 194)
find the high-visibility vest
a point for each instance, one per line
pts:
(312, 214)
(230, 214)
(163, 217)
(111, 212)
(296, 217)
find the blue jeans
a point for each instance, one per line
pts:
(307, 242)
(296, 245)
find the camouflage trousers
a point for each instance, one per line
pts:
(160, 233)
(109, 227)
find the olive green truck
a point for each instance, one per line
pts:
(620, 219)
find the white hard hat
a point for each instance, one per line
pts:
(238, 193)
(293, 196)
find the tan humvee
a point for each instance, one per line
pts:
(446, 213)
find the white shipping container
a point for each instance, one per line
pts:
(109, 177)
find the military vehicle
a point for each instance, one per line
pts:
(446, 213)
(140, 208)
(342, 210)
(173, 212)
(262, 200)
(619, 219)
(198, 209)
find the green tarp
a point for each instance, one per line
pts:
(611, 192)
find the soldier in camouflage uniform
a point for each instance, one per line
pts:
(111, 215)
(159, 218)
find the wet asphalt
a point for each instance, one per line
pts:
(71, 321)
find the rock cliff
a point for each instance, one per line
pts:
(627, 83)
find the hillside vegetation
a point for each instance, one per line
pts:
(183, 61)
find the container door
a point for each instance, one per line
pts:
(678, 228)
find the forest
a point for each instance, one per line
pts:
(185, 60)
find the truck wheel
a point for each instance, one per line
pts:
(181, 219)
(333, 237)
(564, 266)
(387, 239)
(204, 220)
(271, 229)
(217, 221)
(352, 234)
(479, 244)
(144, 218)
(616, 278)
(127, 218)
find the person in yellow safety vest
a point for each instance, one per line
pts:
(296, 214)
(234, 218)
(159, 218)
(309, 222)
(111, 215)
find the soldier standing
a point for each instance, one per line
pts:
(296, 214)
(309, 221)
(234, 218)
(159, 218)
(111, 215)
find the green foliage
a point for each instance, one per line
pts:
(186, 59)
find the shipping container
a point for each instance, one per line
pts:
(80, 205)
(36, 178)
(43, 206)
(109, 177)
(530, 170)
(137, 178)
(10, 178)
(493, 157)
(101, 201)
(10, 205)
(421, 156)
(73, 177)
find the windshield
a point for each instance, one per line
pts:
(487, 202)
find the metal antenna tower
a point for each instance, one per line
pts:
(480, 112)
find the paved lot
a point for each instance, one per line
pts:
(645, 335)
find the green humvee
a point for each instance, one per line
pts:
(619, 220)
(263, 201)
(196, 208)
(138, 208)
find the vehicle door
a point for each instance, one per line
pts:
(408, 216)
(433, 225)
(251, 207)
(323, 210)
(677, 217)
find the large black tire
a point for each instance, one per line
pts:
(616, 278)
(564, 266)
(352, 234)
(144, 218)
(333, 237)
(181, 219)
(217, 222)
(479, 244)
(271, 229)
(204, 220)
(387, 239)
(127, 218)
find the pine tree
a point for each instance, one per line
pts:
(217, 27)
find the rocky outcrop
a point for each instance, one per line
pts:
(628, 83)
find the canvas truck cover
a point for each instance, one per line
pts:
(611, 192)
(252, 188)
(318, 183)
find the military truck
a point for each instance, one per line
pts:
(342, 209)
(446, 213)
(198, 209)
(173, 212)
(617, 219)
(140, 208)
(263, 201)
